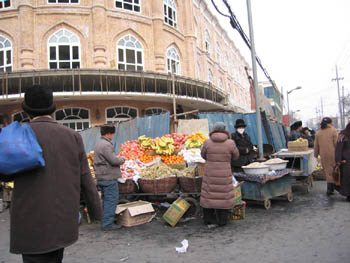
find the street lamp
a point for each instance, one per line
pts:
(290, 91)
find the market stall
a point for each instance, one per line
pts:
(265, 181)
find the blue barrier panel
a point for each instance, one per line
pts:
(90, 137)
(154, 126)
(251, 129)
(125, 131)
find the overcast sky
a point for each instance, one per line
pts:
(299, 43)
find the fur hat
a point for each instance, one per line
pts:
(38, 100)
(240, 123)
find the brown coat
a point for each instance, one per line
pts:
(325, 142)
(217, 187)
(45, 203)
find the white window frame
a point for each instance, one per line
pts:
(6, 46)
(115, 118)
(7, 7)
(23, 116)
(156, 110)
(173, 58)
(133, 4)
(169, 5)
(72, 40)
(210, 77)
(221, 86)
(218, 53)
(207, 42)
(66, 122)
(70, 3)
(137, 47)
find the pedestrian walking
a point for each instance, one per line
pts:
(46, 201)
(244, 145)
(342, 159)
(217, 187)
(325, 142)
(107, 171)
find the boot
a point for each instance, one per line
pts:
(330, 188)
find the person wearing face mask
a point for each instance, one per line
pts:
(244, 145)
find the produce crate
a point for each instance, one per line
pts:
(128, 187)
(157, 186)
(294, 146)
(238, 212)
(178, 166)
(190, 184)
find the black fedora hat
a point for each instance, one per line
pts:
(240, 123)
(38, 100)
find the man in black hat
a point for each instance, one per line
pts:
(306, 134)
(295, 130)
(243, 144)
(46, 201)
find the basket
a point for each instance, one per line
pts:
(190, 184)
(128, 187)
(157, 186)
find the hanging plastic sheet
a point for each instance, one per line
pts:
(90, 137)
(252, 130)
(153, 126)
(125, 131)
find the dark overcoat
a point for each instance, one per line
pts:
(217, 186)
(243, 144)
(342, 153)
(46, 201)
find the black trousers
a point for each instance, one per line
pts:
(51, 257)
(215, 216)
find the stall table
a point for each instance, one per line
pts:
(302, 163)
(264, 187)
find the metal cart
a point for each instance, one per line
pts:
(303, 164)
(265, 191)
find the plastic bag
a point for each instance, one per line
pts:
(19, 149)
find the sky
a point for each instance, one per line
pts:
(299, 42)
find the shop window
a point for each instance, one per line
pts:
(154, 111)
(5, 55)
(76, 118)
(64, 50)
(131, 5)
(21, 117)
(63, 1)
(121, 113)
(129, 54)
(5, 4)
(170, 13)
(173, 61)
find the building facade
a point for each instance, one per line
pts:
(276, 99)
(108, 60)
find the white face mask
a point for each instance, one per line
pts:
(240, 130)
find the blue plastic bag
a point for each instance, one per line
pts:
(19, 149)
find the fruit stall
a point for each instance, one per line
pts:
(160, 167)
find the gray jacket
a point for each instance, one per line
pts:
(106, 162)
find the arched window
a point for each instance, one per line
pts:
(76, 118)
(173, 61)
(154, 111)
(64, 50)
(218, 53)
(5, 54)
(207, 42)
(170, 12)
(120, 113)
(5, 4)
(129, 54)
(132, 5)
(21, 117)
(210, 77)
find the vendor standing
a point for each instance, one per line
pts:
(107, 171)
(244, 145)
(217, 193)
(295, 130)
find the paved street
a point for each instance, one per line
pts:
(313, 228)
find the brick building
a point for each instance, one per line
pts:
(114, 59)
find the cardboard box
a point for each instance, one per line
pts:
(298, 146)
(177, 209)
(237, 193)
(134, 213)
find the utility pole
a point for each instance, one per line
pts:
(322, 107)
(342, 103)
(339, 101)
